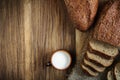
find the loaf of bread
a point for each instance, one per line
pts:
(107, 28)
(82, 12)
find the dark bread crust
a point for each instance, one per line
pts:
(86, 72)
(95, 62)
(108, 25)
(92, 68)
(82, 12)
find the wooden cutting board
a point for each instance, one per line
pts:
(30, 31)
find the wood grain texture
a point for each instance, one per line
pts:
(30, 31)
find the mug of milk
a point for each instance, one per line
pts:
(61, 60)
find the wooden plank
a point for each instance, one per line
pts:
(30, 31)
(12, 48)
(29, 55)
(52, 31)
(82, 39)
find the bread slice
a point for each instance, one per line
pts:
(110, 75)
(95, 62)
(101, 48)
(89, 71)
(117, 71)
(99, 59)
(97, 68)
(108, 25)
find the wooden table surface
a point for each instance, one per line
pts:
(30, 31)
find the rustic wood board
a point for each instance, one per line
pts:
(30, 31)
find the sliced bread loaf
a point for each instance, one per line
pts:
(110, 75)
(101, 48)
(117, 71)
(97, 68)
(89, 71)
(99, 59)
